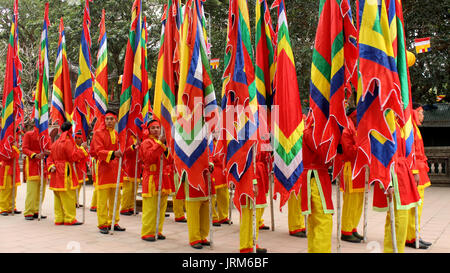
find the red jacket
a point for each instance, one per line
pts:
(64, 155)
(6, 167)
(129, 162)
(218, 176)
(32, 164)
(104, 144)
(421, 166)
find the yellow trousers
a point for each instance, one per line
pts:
(197, 213)
(32, 197)
(401, 225)
(94, 199)
(296, 221)
(128, 193)
(222, 200)
(352, 208)
(149, 210)
(246, 227)
(65, 207)
(320, 224)
(178, 208)
(6, 196)
(411, 232)
(105, 207)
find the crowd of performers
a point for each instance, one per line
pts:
(68, 157)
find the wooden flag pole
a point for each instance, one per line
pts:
(116, 194)
(41, 190)
(254, 203)
(13, 183)
(158, 209)
(416, 210)
(392, 218)
(135, 183)
(208, 175)
(271, 181)
(338, 214)
(230, 207)
(366, 203)
(84, 197)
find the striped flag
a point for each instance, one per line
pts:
(396, 23)
(288, 128)
(239, 103)
(332, 70)
(41, 111)
(84, 97)
(147, 112)
(101, 74)
(62, 105)
(130, 115)
(378, 91)
(168, 69)
(197, 105)
(422, 45)
(12, 103)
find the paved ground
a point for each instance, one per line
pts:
(20, 236)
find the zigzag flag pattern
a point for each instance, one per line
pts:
(62, 105)
(332, 69)
(197, 106)
(130, 115)
(41, 111)
(168, 69)
(101, 73)
(12, 113)
(146, 108)
(288, 128)
(239, 103)
(84, 97)
(396, 25)
(378, 90)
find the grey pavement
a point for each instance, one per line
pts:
(20, 236)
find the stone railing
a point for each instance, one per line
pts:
(438, 161)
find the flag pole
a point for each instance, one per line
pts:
(416, 210)
(84, 197)
(13, 183)
(366, 203)
(158, 209)
(254, 202)
(208, 175)
(338, 214)
(272, 219)
(230, 207)
(41, 189)
(116, 194)
(392, 219)
(135, 182)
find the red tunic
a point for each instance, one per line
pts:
(349, 149)
(104, 144)
(81, 165)
(32, 164)
(6, 167)
(314, 164)
(150, 152)
(64, 155)
(129, 162)
(421, 166)
(262, 175)
(218, 175)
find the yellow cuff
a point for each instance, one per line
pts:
(160, 143)
(15, 149)
(415, 171)
(84, 151)
(51, 166)
(108, 158)
(33, 155)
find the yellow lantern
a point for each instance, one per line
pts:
(410, 58)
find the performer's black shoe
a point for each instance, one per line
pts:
(93, 209)
(17, 212)
(4, 213)
(350, 238)
(217, 224)
(197, 246)
(128, 213)
(261, 250)
(76, 223)
(205, 243)
(79, 205)
(104, 230)
(29, 218)
(228, 222)
(149, 239)
(413, 245)
(161, 237)
(301, 234)
(118, 228)
(356, 234)
(424, 242)
(167, 215)
(36, 215)
(184, 220)
(264, 227)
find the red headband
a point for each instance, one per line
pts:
(110, 115)
(152, 122)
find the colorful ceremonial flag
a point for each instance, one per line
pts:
(84, 98)
(62, 105)
(378, 91)
(197, 105)
(101, 74)
(422, 45)
(332, 70)
(147, 112)
(12, 103)
(396, 23)
(130, 115)
(239, 103)
(215, 63)
(168, 69)
(41, 111)
(288, 128)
